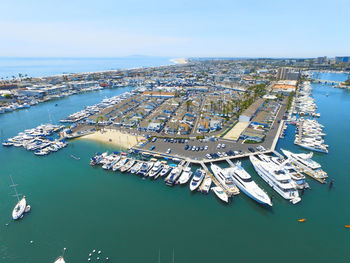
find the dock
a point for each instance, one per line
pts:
(229, 192)
(308, 172)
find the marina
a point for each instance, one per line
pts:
(151, 190)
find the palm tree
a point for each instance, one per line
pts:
(188, 104)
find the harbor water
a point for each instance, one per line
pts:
(133, 220)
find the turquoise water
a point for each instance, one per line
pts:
(130, 219)
(36, 67)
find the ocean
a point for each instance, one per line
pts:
(133, 220)
(37, 67)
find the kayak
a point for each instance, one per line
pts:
(302, 220)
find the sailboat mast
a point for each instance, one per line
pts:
(14, 186)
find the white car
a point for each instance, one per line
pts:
(220, 154)
(206, 147)
(219, 146)
(208, 156)
(223, 145)
(168, 151)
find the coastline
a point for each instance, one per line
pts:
(113, 137)
(179, 60)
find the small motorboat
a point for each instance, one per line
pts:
(220, 193)
(206, 185)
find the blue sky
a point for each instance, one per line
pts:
(178, 28)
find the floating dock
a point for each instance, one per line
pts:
(229, 192)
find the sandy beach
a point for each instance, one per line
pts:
(115, 138)
(179, 60)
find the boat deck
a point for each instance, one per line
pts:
(229, 192)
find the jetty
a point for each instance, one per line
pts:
(229, 192)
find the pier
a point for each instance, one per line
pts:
(229, 192)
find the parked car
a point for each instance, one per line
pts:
(223, 145)
(152, 148)
(154, 139)
(186, 147)
(251, 149)
(218, 146)
(168, 151)
(208, 156)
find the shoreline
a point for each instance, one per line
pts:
(174, 61)
(179, 61)
(113, 137)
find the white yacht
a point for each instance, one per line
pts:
(305, 162)
(220, 193)
(157, 167)
(276, 177)
(206, 185)
(136, 168)
(166, 169)
(146, 166)
(295, 174)
(110, 161)
(224, 178)
(119, 164)
(174, 174)
(244, 182)
(197, 179)
(126, 167)
(185, 176)
(98, 158)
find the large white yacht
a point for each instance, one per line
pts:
(244, 182)
(185, 176)
(197, 179)
(223, 177)
(276, 177)
(305, 162)
(174, 175)
(295, 174)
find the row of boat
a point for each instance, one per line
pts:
(90, 110)
(36, 139)
(309, 135)
(285, 175)
(305, 104)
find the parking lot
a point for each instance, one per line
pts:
(177, 146)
